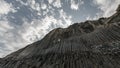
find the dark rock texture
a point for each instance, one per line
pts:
(90, 44)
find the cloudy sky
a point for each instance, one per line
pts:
(24, 21)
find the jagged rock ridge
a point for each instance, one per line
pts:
(90, 44)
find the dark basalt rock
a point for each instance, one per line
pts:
(118, 9)
(90, 44)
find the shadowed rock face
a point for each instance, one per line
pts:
(90, 44)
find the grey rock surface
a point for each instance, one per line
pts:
(90, 44)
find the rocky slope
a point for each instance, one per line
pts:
(90, 44)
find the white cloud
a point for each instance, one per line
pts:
(50, 1)
(107, 6)
(88, 17)
(4, 26)
(23, 3)
(5, 7)
(97, 16)
(65, 17)
(74, 5)
(8, 40)
(34, 5)
(39, 28)
(43, 6)
(57, 3)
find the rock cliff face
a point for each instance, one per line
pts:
(90, 44)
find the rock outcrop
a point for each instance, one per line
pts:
(90, 44)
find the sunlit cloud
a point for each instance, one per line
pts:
(75, 5)
(5, 7)
(107, 6)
